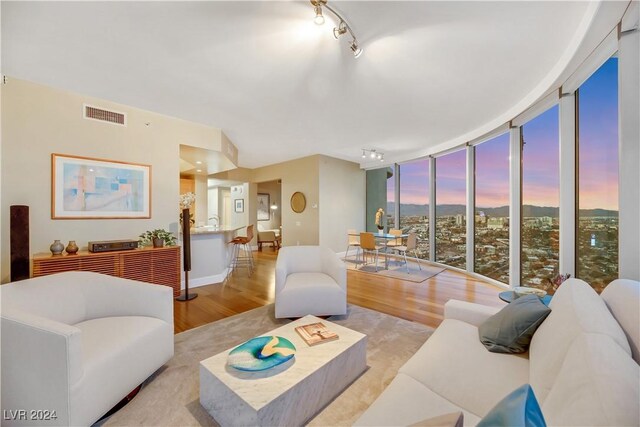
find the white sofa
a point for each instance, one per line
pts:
(77, 343)
(579, 365)
(310, 280)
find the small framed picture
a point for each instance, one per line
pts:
(239, 205)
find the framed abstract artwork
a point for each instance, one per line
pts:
(239, 205)
(88, 188)
(263, 207)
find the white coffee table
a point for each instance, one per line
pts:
(289, 394)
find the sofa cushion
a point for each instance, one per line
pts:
(518, 409)
(406, 401)
(510, 330)
(597, 385)
(119, 353)
(622, 297)
(454, 364)
(575, 309)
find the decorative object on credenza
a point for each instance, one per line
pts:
(19, 242)
(158, 238)
(113, 245)
(263, 207)
(238, 205)
(261, 353)
(72, 248)
(186, 202)
(88, 188)
(186, 256)
(56, 247)
(298, 202)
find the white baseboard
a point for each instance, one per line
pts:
(207, 280)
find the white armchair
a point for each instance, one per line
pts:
(77, 343)
(310, 280)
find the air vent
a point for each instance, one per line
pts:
(95, 113)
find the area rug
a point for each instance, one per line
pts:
(171, 396)
(397, 270)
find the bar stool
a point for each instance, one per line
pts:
(242, 243)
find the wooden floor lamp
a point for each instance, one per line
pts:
(186, 253)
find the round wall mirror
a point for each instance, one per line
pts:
(298, 202)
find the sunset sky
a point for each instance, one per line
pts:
(598, 158)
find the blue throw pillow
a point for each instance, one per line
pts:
(519, 409)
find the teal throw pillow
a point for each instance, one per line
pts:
(519, 409)
(510, 330)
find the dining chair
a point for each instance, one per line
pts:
(352, 240)
(412, 245)
(395, 242)
(368, 244)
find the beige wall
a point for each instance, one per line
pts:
(38, 121)
(296, 175)
(342, 201)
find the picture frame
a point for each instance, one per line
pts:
(91, 188)
(264, 205)
(238, 205)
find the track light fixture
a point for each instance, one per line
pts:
(342, 27)
(373, 154)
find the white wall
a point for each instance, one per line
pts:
(38, 120)
(342, 201)
(629, 101)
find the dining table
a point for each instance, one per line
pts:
(386, 238)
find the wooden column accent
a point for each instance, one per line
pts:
(160, 266)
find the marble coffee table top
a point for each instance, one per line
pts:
(258, 389)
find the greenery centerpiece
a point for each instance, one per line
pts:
(158, 238)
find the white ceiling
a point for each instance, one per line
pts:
(432, 73)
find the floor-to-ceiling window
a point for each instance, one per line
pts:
(450, 209)
(597, 222)
(492, 208)
(540, 199)
(414, 202)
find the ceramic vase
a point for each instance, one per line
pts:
(157, 242)
(72, 248)
(56, 247)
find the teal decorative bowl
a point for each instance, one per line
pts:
(261, 353)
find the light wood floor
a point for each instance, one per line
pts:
(419, 302)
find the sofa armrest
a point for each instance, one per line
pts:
(282, 271)
(472, 313)
(41, 360)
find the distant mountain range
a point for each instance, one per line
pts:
(502, 211)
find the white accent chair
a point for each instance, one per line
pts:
(77, 343)
(310, 280)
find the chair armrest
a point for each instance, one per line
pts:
(41, 361)
(334, 267)
(472, 313)
(107, 296)
(282, 271)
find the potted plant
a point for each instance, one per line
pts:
(158, 238)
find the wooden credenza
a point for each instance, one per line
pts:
(160, 266)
